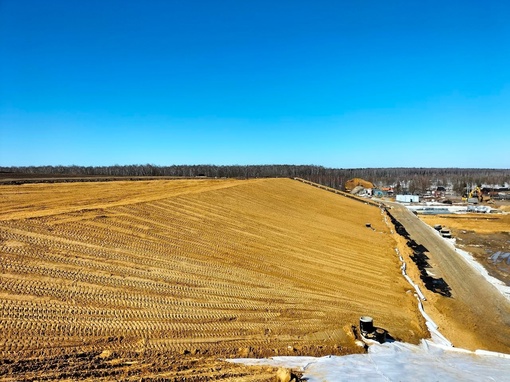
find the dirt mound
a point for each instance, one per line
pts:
(351, 184)
(194, 270)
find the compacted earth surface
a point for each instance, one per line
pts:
(163, 279)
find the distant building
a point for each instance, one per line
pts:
(408, 198)
(378, 193)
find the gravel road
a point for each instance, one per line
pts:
(476, 308)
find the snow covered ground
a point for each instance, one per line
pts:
(398, 361)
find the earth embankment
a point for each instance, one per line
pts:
(194, 268)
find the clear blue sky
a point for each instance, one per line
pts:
(334, 83)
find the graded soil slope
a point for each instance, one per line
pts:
(161, 278)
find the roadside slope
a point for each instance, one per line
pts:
(476, 316)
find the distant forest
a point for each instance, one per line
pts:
(412, 180)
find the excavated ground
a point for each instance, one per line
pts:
(158, 280)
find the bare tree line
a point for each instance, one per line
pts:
(403, 179)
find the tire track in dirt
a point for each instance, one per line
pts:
(244, 264)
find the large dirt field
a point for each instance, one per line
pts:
(153, 280)
(482, 235)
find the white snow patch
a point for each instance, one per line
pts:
(398, 361)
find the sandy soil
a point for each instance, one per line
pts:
(160, 279)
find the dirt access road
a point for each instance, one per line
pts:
(476, 315)
(482, 235)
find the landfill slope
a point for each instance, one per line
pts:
(128, 274)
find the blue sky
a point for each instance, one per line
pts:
(334, 83)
